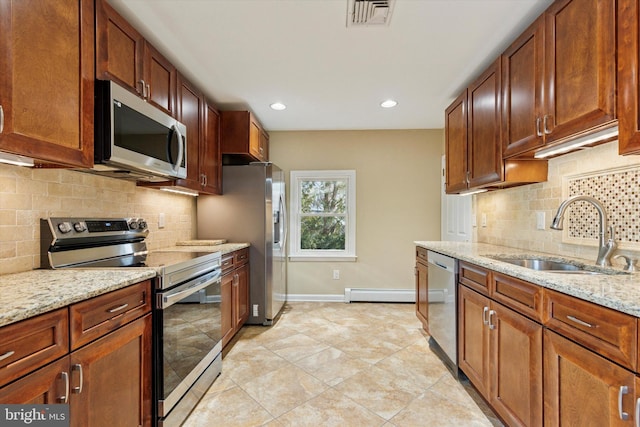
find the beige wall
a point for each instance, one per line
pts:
(511, 218)
(398, 201)
(26, 195)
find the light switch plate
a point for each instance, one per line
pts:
(483, 220)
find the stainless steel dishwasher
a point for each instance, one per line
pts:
(442, 314)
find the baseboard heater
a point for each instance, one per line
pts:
(379, 295)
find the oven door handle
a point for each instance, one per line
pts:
(167, 299)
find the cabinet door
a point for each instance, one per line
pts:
(46, 80)
(629, 76)
(190, 112)
(473, 337)
(456, 144)
(226, 307)
(422, 294)
(160, 76)
(484, 144)
(242, 296)
(582, 388)
(516, 367)
(580, 62)
(522, 74)
(210, 156)
(254, 140)
(111, 378)
(47, 385)
(119, 49)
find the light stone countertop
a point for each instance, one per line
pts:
(618, 291)
(28, 294)
(224, 248)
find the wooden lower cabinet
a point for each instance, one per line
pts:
(109, 380)
(422, 289)
(235, 293)
(582, 388)
(116, 378)
(500, 351)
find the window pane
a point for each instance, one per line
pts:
(322, 232)
(323, 196)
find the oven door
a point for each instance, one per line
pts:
(188, 337)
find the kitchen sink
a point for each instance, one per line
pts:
(556, 266)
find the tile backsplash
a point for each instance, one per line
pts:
(599, 172)
(619, 192)
(26, 195)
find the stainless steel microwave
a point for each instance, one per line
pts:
(135, 140)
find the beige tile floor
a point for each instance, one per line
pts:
(336, 364)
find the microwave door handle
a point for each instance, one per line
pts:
(176, 167)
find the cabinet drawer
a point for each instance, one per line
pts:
(227, 263)
(521, 296)
(421, 255)
(240, 257)
(605, 331)
(475, 277)
(32, 343)
(97, 316)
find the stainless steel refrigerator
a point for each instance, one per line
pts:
(252, 209)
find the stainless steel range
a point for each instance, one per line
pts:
(187, 346)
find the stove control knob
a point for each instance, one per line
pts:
(80, 227)
(133, 224)
(64, 227)
(142, 224)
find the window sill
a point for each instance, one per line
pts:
(321, 258)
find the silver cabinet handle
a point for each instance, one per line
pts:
(148, 96)
(78, 367)
(538, 131)
(544, 124)
(579, 322)
(491, 324)
(65, 397)
(1, 119)
(144, 88)
(637, 414)
(118, 308)
(485, 320)
(7, 354)
(621, 392)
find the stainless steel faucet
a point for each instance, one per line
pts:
(606, 246)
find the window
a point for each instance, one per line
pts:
(323, 215)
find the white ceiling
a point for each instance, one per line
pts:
(247, 54)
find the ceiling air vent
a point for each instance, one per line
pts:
(369, 12)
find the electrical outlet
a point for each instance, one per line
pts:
(474, 220)
(255, 310)
(483, 220)
(161, 220)
(540, 220)
(336, 274)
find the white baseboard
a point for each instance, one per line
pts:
(379, 295)
(314, 298)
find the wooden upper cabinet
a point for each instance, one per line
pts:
(456, 144)
(46, 80)
(123, 55)
(484, 137)
(628, 76)
(580, 63)
(191, 113)
(210, 155)
(243, 139)
(522, 97)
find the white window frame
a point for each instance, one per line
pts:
(297, 254)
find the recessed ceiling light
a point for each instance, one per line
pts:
(389, 103)
(278, 106)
